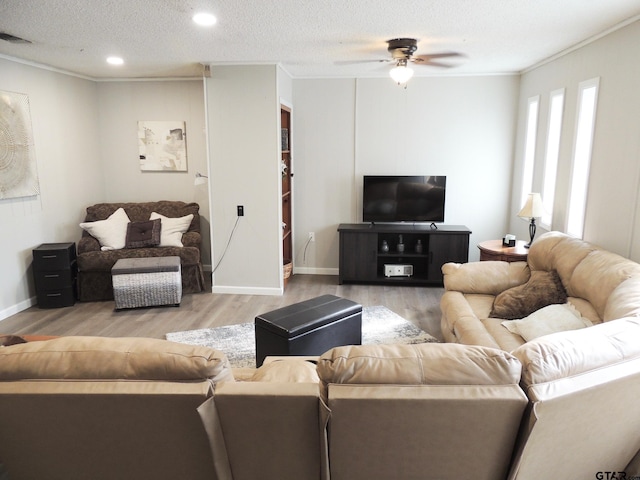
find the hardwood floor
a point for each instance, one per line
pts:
(420, 305)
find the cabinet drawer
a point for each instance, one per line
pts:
(53, 256)
(54, 280)
(62, 297)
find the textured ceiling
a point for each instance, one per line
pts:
(309, 38)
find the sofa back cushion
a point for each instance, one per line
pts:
(496, 276)
(140, 212)
(598, 275)
(579, 264)
(624, 300)
(422, 364)
(420, 411)
(560, 252)
(98, 358)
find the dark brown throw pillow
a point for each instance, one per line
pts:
(8, 340)
(143, 234)
(542, 289)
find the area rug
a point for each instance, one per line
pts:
(379, 325)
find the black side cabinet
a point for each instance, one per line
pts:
(55, 271)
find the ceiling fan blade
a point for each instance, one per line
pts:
(356, 62)
(430, 63)
(429, 56)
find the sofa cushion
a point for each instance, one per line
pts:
(143, 234)
(111, 232)
(286, 371)
(140, 211)
(421, 364)
(624, 301)
(542, 289)
(574, 353)
(495, 277)
(103, 261)
(172, 229)
(610, 269)
(547, 320)
(72, 358)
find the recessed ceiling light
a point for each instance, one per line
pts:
(204, 19)
(115, 61)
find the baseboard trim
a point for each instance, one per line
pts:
(17, 308)
(246, 290)
(315, 271)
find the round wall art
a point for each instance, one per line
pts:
(18, 169)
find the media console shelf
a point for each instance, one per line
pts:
(363, 257)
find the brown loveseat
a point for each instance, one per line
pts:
(94, 264)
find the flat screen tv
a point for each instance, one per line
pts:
(402, 198)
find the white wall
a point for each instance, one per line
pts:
(613, 206)
(86, 147)
(64, 115)
(323, 141)
(121, 106)
(243, 111)
(461, 127)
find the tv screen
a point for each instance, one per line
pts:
(403, 198)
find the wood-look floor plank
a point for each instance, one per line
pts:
(421, 305)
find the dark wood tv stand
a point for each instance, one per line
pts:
(362, 259)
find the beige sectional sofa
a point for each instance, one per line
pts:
(563, 405)
(601, 285)
(132, 408)
(78, 408)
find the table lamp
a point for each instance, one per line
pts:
(532, 209)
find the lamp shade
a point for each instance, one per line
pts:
(401, 74)
(200, 179)
(533, 207)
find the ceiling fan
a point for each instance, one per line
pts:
(402, 52)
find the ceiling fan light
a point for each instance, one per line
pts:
(401, 74)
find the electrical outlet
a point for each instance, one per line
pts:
(312, 236)
(241, 210)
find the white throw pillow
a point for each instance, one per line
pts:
(112, 232)
(547, 320)
(172, 229)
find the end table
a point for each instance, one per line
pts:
(494, 250)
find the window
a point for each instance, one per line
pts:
(556, 107)
(529, 148)
(586, 119)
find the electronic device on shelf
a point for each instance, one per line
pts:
(398, 270)
(403, 198)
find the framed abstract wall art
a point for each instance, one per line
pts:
(18, 167)
(162, 146)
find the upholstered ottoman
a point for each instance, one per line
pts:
(308, 328)
(147, 282)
